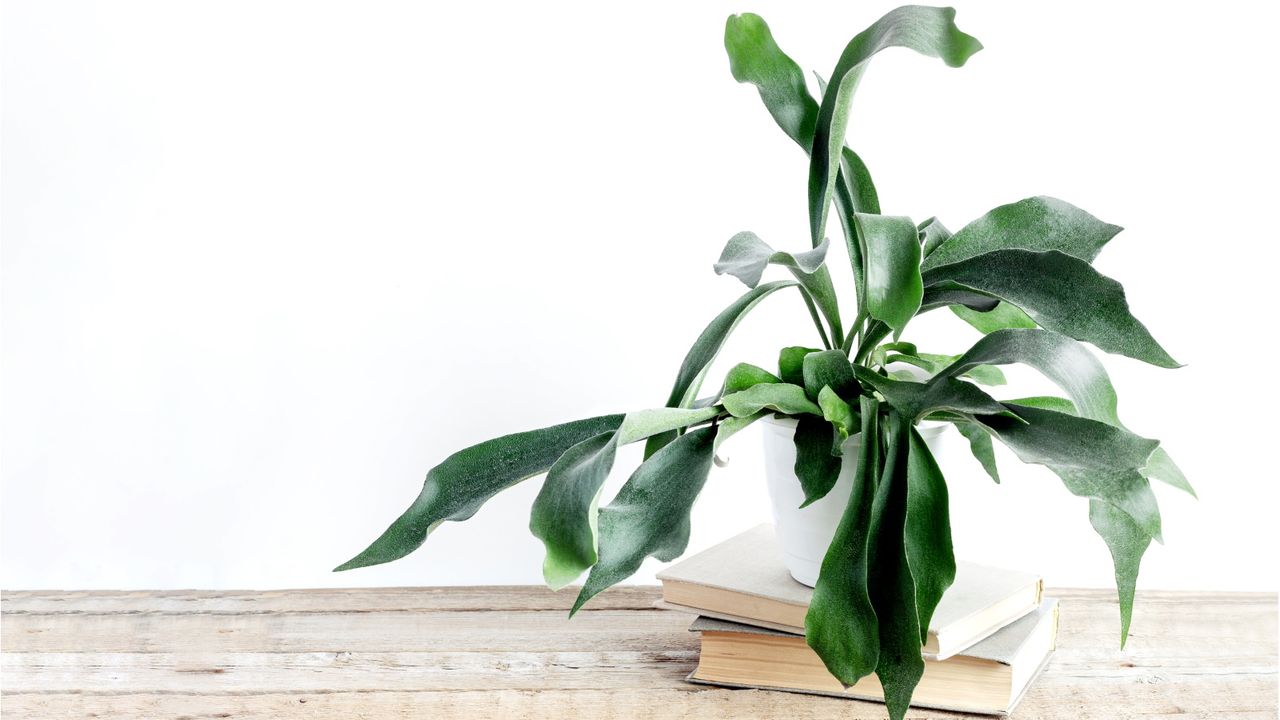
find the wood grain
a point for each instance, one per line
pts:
(511, 652)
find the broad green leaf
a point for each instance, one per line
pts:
(779, 397)
(1070, 366)
(563, 513)
(704, 351)
(980, 445)
(837, 412)
(929, 31)
(791, 364)
(893, 286)
(456, 488)
(730, 426)
(932, 234)
(930, 554)
(914, 399)
(746, 256)
(755, 58)
(1061, 293)
(1037, 223)
(647, 423)
(1092, 458)
(828, 368)
(1046, 402)
(982, 374)
(879, 355)
(944, 294)
(1127, 543)
(893, 589)
(815, 466)
(650, 514)
(744, 375)
(841, 623)
(1002, 316)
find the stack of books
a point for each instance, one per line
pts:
(990, 636)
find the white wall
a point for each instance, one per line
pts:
(266, 263)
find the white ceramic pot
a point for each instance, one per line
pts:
(804, 534)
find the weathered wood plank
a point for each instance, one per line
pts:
(437, 652)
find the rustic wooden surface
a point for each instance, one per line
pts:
(508, 652)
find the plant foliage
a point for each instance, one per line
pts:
(1021, 274)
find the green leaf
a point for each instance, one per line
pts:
(932, 234)
(841, 623)
(893, 286)
(930, 554)
(456, 488)
(746, 256)
(730, 426)
(647, 423)
(791, 364)
(1061, 293)
(1037, 223)
(1046, 402)
(914, 399)
(929, 31)
(704, 351)
(980, 445)
(744, 375)
(982, 374)
(828, 368)
(563, 513)
(1092, 458)
(815, 466)
(1070, 366)
(780, 397)
(1002, 316)
(650, 515)
(1127, 543)
(893, 591)
(837, 412)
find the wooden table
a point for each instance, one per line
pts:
(508, 652)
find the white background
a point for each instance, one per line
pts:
(266, 263)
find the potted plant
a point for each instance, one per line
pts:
(1020, 274)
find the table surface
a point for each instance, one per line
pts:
(510, 652)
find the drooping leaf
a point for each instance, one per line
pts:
(791, 364)
(1046, 402)
(893, 590)
(815, 466)
(828, 368)
(837, 412)
(1127, 543)
(930, 554)
(893, 286)
(944, 294)
(730, 426)
(647, 423)
(1070, 366)
(1037, 223)
(932, 234)
(563, 513)
(746, 256)
(456, 488)
(1092, 458)
(980, 445)
(704, 351)
(841, 624)
(744, 375)
(1002, 316)
(927, 30)
(914, 399)
(1060, 293)
(982, 374)
(650, 514)
(781, 397)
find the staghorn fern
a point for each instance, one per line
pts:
(1020, 274)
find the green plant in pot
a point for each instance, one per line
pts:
(1020, 274)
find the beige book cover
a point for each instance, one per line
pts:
(744, 580)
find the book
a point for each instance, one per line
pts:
(988, 678)
(743, 580)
